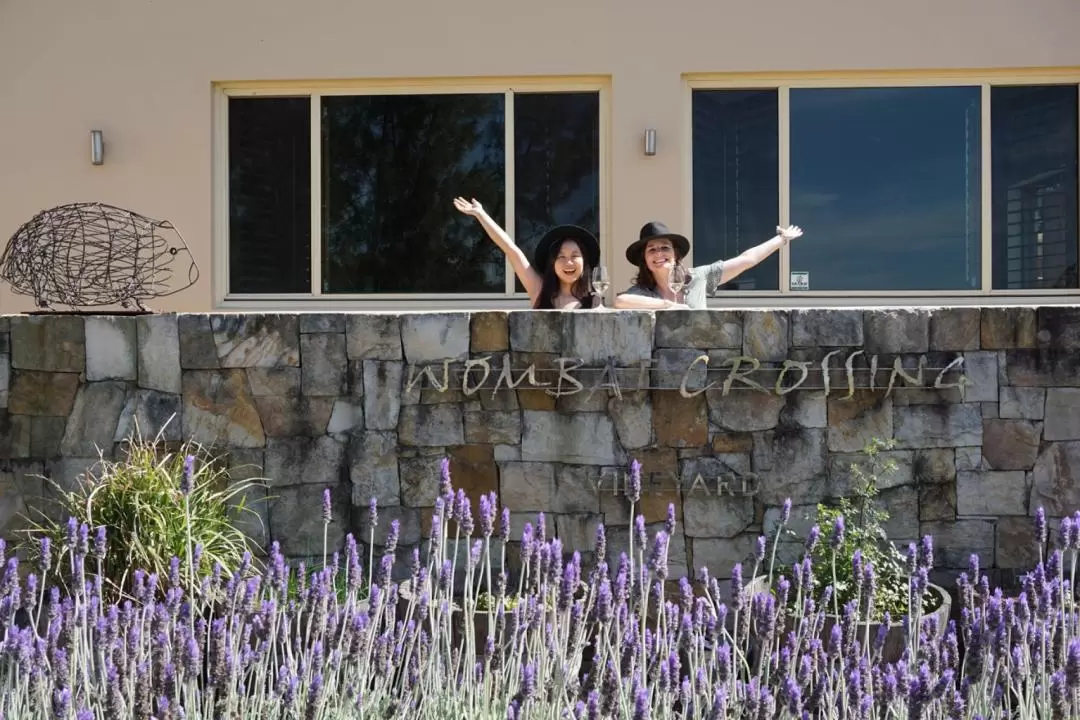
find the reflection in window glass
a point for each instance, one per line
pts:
(556, 165)
(886, 183)
(736, 179)
(269, 195)
(1034, 150)
(391, 167)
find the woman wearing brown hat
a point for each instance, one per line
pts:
(658, 255)
(561, 270)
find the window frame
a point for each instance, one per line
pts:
(315, 91)
(783, 83)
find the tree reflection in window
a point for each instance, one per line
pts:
(391, 166)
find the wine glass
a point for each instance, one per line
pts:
(600, 282)
(677, 280)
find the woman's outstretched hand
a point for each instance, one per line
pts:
(469, 207)
(789, 233)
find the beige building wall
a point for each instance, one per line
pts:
(143, 72)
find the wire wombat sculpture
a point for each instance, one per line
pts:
(92, 254)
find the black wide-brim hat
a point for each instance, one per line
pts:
(656, 231)
(590, 246)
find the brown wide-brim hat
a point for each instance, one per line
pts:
(590, 246)
(656, 231)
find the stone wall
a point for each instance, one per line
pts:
(344, 400)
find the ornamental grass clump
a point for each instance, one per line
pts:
(576, 642)
(159, 506)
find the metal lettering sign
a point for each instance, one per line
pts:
(569, 376)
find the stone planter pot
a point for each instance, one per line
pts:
(895, 642)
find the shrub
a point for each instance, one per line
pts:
(853, 538)
(151, 520)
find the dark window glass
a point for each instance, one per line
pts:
(391, 167)
(556, 165)
(1034, 151)
(269, 195)
(736, 179)
(886, 184)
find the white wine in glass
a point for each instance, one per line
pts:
(600, 282)
(677, 280)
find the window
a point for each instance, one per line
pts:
(736, 185)
(901, 187)
(350, 195)
(1034, 187)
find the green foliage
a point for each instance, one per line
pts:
(138, 499)
(864, 531)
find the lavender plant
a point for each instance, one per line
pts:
(239, 646)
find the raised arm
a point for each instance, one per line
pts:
(749, 258)
(526, 273)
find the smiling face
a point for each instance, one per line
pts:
(660, 255)
(569, 263)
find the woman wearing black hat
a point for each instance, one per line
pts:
(658, 255)
(561, 271)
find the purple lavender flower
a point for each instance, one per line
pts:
(446, 487)
(314, 699)
(487, 515)
(838, 533)
(669, 523)
(1040, 526)
(601, 544)
(633, 482)
(446, 575)
(641, 536)
(1072, 665)
(526, 543)
(99, 543)
(61, 703)
(658, 559)
(718, 711)
(1066, 531)
(373, 512)
(785, 513)
(463, 511)
(641, 704)
(45, 561)
(392, 537)
(604, 601)
(187, 478)
(82, 548)
(759, 550)
(1059, 695)
(504, 525)
(812, 538)
(528, 680)
(327, 507)
(736, 587)
(926, 552)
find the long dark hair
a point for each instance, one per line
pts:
(549, 288)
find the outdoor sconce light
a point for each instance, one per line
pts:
(97, 147)
(650, 141)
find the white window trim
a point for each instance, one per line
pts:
(316, 300)
(783, 83)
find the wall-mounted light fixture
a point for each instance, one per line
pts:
(650, 141)
(97, 147)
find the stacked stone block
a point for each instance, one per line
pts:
(310, 401)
